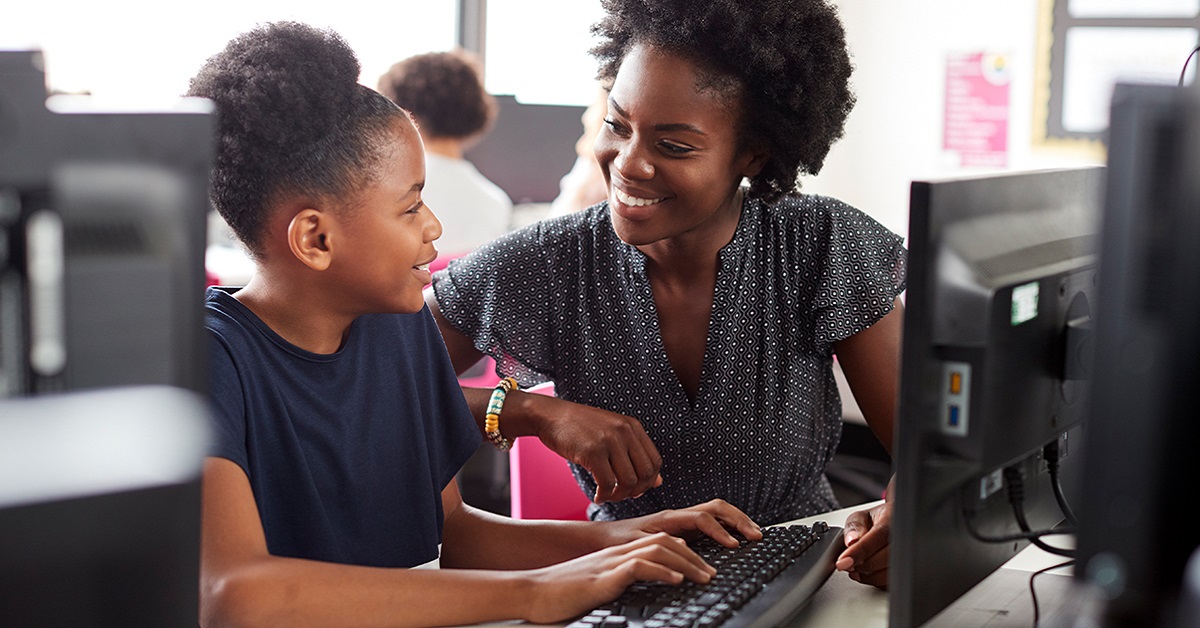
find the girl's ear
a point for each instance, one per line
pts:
(310, 236)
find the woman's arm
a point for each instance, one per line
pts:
(613, 447)
(463, 354)
(871, 361)
(241, 584)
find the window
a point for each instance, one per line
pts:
(537, 50)
(144, 51)
(1092, 44)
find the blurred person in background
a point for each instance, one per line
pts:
(444, 92)
(584, 185)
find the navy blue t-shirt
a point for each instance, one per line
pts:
(347, 453)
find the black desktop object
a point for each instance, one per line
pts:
(1137, 530)
(103, 358)
(100, 508)
(993, 377)
(530, 149)
(102, 237)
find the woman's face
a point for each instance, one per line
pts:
(669, 150)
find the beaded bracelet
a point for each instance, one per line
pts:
(491, 424)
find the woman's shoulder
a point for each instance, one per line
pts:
(805, 215)
(586, 222)
(549, 247)
(801, 208)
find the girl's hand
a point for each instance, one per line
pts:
(574, 587)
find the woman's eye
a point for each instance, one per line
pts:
(675, 149)
(614, 126)
(416, 208)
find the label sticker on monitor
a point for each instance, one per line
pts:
(990, 484)
(1024, 303)
(956, 397)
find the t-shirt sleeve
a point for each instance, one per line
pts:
(228, 406)
(503, 296)
(862, 268)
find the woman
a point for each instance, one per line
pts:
(688, 316)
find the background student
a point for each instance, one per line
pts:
(444, 92)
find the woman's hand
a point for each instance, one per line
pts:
(576, 586)
(613, 447)
(715, 518)
(868, 534)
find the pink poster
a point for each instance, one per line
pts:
(976, 124)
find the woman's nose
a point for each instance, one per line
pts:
(632, 162)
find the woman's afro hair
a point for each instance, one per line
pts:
(444, 92)
(789, 58)
(292, 120)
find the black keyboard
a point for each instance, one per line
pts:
(759, 584)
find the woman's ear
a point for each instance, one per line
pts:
(754, 159)
(310, 238)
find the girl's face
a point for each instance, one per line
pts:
(669, 150)
(388, 238)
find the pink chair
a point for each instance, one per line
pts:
(541, 484)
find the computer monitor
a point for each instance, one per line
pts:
(1137, 531)
(530, 148)
(103, 357)
(993, 384)
(100, 507)
(102, 237)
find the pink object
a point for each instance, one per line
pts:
(542, 485)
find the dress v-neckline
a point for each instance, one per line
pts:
(721, 287)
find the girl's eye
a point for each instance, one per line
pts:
(416, 208)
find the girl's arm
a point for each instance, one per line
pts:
(241, 584)
(477, 539)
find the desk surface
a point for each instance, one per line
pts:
(1002, 600)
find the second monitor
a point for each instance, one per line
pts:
(993, 386)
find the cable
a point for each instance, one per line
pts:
(1008, 538)
(1016, 496)
(1051, 453)
(1033, 591)
(1185, 65)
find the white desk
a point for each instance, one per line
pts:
(1002, 600)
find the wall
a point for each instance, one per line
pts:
(894, 134)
